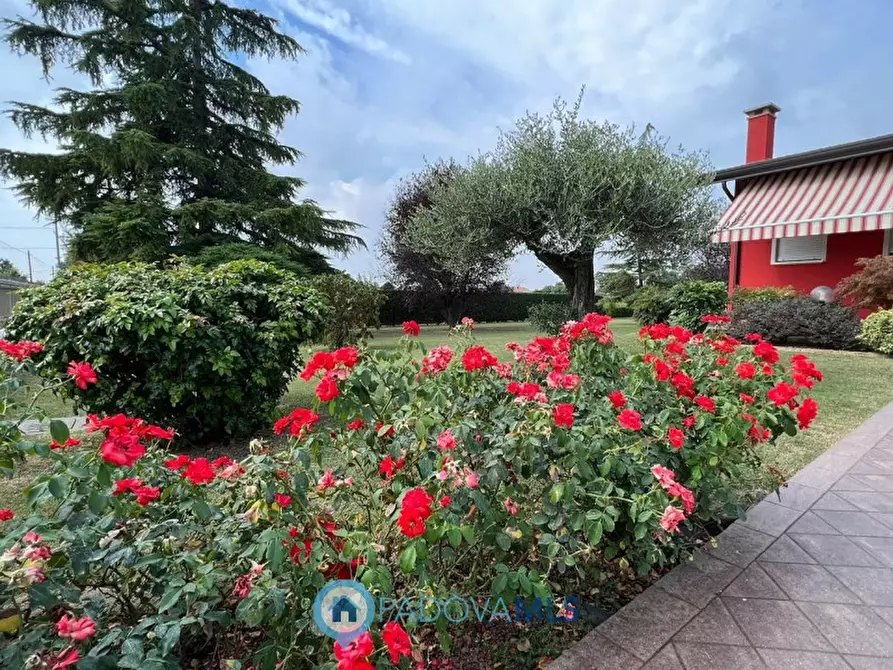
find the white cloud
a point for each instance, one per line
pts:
(338, 23)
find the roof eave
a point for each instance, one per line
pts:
(871, 146)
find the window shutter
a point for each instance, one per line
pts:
(799, 249)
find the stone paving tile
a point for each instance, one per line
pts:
(648, 622)
(796, 496)
(834, 501)
(785, 550)
(885, 613)
(755, 583)
(595, 652)
(714, 625)
(873, 585)
(699, 580)
(739, 544)
(769, 517)
(879, 547)
(885, 518)
(852, 629)
(812, 524)
(876, 482)
(848, 483)
(856, 523)
(817, 477)
(782, 659)
(870, 501)
(868, 663)
(665, 659)
(871, 467)
(811, 583)
(775, 624)
(835, 550)
(714, 656)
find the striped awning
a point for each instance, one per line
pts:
(842, 197)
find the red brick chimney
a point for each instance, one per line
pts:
(761, 132)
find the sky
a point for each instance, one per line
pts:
(387, 84)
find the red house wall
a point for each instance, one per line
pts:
(756, 269)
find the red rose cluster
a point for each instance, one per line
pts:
(125, 437)
(20, 350)
(334, 365)
(414, 510)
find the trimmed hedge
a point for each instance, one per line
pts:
(483, 307)
(877, 332)
(798, 321)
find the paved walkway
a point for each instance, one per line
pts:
(805, 582)
(34, 427)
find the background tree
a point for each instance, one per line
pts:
(9, 271)
(709, 262)
(422, 274)
(557, 287)
(168, 153)
(562, 186)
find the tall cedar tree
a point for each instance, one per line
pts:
(168, 153)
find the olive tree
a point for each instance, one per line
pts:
(562, 186)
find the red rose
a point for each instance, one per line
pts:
(477, 357)
(397, 641)
(689, 421)
(782, 393)
(745, 370)
(282, 500)
(6, 514)
(563, 414)
(617, 399)
(630, 419)
(146, 494)
(706, 403)
(445, 501)
(124, 450)
(346, 356)
(356, 424)
(199, 471)
(808, 411)
(177, 463)
(411, 328)
(126, 485)
(83, 374)
(676, 437)
(671, 519)
(767, 352)
(327, 389)
(745, 398)
(76, 629)
(298, 420)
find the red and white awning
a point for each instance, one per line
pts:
(843, 197)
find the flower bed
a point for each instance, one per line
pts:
(445, 472)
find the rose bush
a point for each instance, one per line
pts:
(441, 471)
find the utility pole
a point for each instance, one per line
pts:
(30, 272)
(58, 255)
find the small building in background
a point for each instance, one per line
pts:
(9, 289)
(803, 220)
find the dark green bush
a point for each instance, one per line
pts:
(800, 320)
(354, 308)
(548, 317)
(616, 308)
(650, 305)
(690, 300)
(208, 352)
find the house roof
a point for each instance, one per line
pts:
(805, 159)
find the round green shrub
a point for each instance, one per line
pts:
(650, 305)
(548, 317)
(691, 300)
(616, 308)
(208, 352)
(877, 332)
(354, 308)
(800, 320)
(744, 294)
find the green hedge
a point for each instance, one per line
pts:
(483, 307)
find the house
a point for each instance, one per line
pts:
(9, 289)
(344, 607)
(803, 220)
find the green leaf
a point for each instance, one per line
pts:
(455, 537)
(594, 532)
(97, 502)
(500, 583)
(59, 431)
(556, 492)
(504, 541)
(468, 533)
(171, 637)
(408, 559)
(58, 486)
(170, 598)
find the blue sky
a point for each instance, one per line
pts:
(389, 83)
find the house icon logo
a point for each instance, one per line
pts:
(343, 610)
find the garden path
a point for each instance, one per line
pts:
(804, 582)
